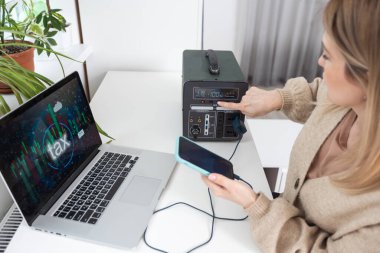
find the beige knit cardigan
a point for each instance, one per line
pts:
(313, 215)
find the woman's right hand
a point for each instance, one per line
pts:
(256, 102)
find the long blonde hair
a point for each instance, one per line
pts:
(354, 25)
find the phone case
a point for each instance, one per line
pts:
(187, 163)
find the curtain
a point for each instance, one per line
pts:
(282, 40)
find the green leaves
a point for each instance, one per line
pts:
(36, 29)
(24, 83)
(4, 108)
(102, 132)
(51, 21)
(38, 18)
(51, 34)
(42, 26)
(52, 41)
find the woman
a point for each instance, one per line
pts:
(331, 201)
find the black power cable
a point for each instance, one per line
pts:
(212, 215)
(196, 208)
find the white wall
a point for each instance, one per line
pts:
(138, 35)
(225, 22)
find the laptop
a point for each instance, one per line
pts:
(66, 182)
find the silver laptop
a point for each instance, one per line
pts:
(66, 182)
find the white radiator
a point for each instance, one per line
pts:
(9, 226)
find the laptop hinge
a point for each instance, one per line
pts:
(67, 183)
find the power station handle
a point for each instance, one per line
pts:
(213, 60)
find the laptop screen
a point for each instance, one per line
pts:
(44, 141)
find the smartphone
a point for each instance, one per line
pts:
(201, 159)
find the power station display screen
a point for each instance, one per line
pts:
(44, 142)
(216, 93)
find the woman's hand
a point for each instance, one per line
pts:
(256, 102)
(233, 190)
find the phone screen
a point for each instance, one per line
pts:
(203, 158)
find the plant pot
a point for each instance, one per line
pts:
(25, 59)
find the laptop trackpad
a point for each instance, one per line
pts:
(140, 190)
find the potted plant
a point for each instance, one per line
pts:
(20, 35)
(35, 31)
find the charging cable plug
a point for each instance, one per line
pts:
(238, 126)
(236, 177)
(240, 179)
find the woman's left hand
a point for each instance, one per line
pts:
(233, 190)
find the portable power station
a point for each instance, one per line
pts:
(210, 76)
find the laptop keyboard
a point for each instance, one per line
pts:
(90, 198)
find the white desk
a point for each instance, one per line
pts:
(143, 109)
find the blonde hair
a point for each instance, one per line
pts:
(354, 25)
